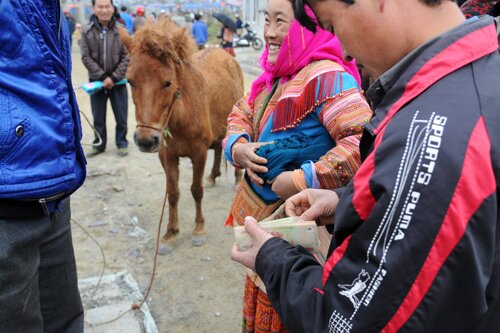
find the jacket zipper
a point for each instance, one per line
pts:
(104, 31)
(44, 206)
(43, 202)
(51, 198)
(60, 22)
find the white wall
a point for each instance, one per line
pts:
(253, 12)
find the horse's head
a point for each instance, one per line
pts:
(158, 55)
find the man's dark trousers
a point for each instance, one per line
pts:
(38, 280)
(119, 103)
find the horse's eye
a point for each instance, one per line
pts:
(168, 84)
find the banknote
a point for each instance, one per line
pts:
(291, 229)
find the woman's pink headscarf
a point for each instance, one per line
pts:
(299, 48)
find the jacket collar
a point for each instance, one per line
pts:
(387, 80)
(95, 22)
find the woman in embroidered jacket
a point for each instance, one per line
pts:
(306, 89)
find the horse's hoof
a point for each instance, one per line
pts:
(198, 240)
(165, 249)
(210, 182)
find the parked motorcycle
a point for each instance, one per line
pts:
(248, 39)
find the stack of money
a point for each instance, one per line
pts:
(292, 229)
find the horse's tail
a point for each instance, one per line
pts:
(224, 160)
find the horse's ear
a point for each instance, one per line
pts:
(184, 45)
(127, 40)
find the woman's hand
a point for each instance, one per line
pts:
(283, 185)
(313, 205)
(244, 155)
(259, 237)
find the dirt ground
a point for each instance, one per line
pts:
(196, 289)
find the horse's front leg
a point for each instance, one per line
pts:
(198, 161)
(171, 166)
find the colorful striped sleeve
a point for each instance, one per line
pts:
(343, 116)
(239, 124)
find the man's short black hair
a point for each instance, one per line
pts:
(306, 21)
(123, 8)
(93, 2)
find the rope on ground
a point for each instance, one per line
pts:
(102, 255)
(138, 306)
(134, 306)
(100, 279)
(99, 142)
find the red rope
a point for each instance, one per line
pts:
(136, 306)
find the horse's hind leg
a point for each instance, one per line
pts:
(198, 161)
(172, 171)
(217, 147)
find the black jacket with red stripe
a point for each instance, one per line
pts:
(415, 246)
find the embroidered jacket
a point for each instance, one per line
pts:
(416, 244)
(322, 101)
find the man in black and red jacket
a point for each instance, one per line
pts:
(416, 245)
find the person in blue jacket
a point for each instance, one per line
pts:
(127, 18)
(71, 25)
(200, 31)
(41, 165)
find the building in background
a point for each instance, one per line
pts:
(253, 13)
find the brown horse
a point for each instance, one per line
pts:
(182, 99)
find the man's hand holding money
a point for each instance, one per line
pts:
(313, 205)
(259, 237)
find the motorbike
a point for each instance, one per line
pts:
(248, 39)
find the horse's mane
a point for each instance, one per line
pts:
(165, 41)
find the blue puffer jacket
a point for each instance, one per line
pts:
(40, 152)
